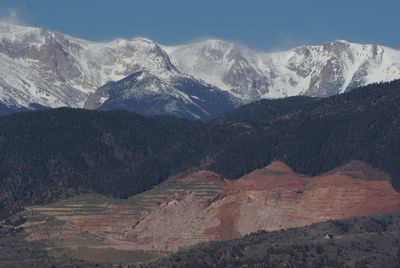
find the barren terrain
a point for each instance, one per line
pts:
(204, 207)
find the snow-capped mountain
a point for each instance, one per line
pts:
(229, 66)
(199, 80)
(332, 68)
(148, 94)
(55, 70)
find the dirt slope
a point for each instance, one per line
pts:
(203, 207)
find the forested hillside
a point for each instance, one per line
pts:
(263, 111)
(356, 242)
(54, 154)
(360, 125)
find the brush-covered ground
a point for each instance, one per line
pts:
(372, 241)
(367, 241)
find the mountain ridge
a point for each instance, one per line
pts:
(58, 153)
(56, 70)
(201, 207)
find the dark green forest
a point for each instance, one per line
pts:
(54, 154)
(363, 124)
(263, 110)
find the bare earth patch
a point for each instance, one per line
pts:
(204, 207)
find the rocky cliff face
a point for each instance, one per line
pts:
(203, 207)
(226, 65)
(319, 71)
(55, 70)
(52, 70)
(58, 70)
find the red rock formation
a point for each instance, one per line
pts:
(202, 207)
(275, 197)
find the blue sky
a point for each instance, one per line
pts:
(264, 25)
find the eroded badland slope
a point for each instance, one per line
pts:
(204, 207)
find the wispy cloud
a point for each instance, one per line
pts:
(11, 15)
(285, 42)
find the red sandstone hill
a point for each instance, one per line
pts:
(203, 207)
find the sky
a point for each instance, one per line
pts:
(264, 25)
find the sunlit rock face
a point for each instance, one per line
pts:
(204, 207)
(54, 70)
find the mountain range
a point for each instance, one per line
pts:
(98, 188)
(40, 69)
(59, 153)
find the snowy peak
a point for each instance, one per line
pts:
(325, 70)
(337, 67)
(228, 66)
(332, 68)
(53, 69)
(15, 33)
(56, 70)
(148, 94)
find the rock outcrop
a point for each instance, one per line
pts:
(204, 207)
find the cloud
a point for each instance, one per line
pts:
(11, 15)
(285, 42)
